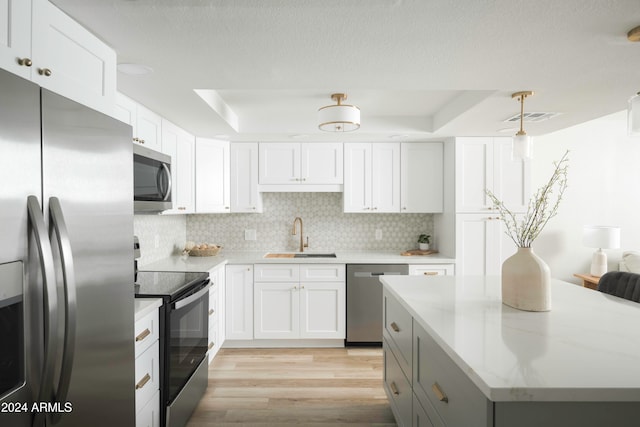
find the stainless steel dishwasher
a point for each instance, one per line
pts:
(364, 301)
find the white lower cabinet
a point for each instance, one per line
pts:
(147, 371)
(216, 311)
(299, 301)
(238, 299)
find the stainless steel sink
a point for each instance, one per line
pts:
(299, 255)
(314, 255)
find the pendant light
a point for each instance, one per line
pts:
(340, 117)
(521, 145)
(633, 108)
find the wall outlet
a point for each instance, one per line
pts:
(378, 234)
(250, 234)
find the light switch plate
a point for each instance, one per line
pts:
(250, 234)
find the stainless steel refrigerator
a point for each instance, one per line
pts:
(66, 262)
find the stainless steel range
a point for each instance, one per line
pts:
(184, 329)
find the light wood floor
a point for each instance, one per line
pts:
(305, 387)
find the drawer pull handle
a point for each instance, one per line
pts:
(210, 311)
(394, 388)
(395, 327)
(430, 273)
(439, 393)
(210, 345)
(143, 335)
(143, 381)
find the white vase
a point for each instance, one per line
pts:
(526, 282)
(423, 246)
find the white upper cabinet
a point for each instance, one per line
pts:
(306, 165)
(372, 177)
(147, 125)
(15, 37)
(180, 145)
(212, 176)
(244, 178)
(40, 42)
(421, 184)
(485, 163)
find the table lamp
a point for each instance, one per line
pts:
(601, 237)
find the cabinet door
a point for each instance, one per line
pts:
(511, 179)
(125, 111)
(148, 128)
(180, 145)
(244, 178)
(422, 179)
(321, 163)
(15, 36)
(357, 177)
(276, 310)
(80, 66)
(212, 176)
(474, 174)
(322, 310)
(478, 242)
(279, 163)
(385, 177)
(238, 308)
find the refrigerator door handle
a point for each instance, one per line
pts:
(50, 296)
(167, 173)
(66, 257)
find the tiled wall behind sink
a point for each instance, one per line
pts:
(326, 225)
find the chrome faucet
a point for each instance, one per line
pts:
(293, 233)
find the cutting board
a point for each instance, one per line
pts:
(279, 256)
(413, 252)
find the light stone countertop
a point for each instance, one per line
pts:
(144, 306)
(586, 348)
(198, 264)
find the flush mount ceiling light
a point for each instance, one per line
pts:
(521, 145)
(339, 117)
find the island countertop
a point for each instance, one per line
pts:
(587, 348)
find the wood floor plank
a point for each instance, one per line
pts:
(305, 387)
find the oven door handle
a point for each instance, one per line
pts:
(191, 298)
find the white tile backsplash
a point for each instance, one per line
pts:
(326, 225)
(169, 231)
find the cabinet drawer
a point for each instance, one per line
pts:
(149, 415)
(424, 418)
(439, 380)
(397, 388)
(398, 329)
(146, 332)
(276, 272)
(431, 270)
(322, 273)
(147, 376)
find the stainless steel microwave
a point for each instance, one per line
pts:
(151, 180)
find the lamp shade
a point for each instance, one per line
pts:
(521, 147)
(601, 236)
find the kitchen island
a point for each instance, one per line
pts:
(456, 356)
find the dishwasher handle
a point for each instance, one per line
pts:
(372, 274)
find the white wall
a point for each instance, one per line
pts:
(604, 189)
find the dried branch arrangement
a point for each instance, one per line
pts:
(542, 207)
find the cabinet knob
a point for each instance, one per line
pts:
(211, 311)
(211, 345)
(430, 273)
(253, 207)
(143, 335)
(404, 208)
(303, 179)
(26, 62)
(395, 327)
(182, 208)
(367, 208)
(374, 209)
(143, 381)
(44, 72)
(141, 141)
(394, 388)
(226, 207)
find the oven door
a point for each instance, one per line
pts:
(151, 180)
(188, 338)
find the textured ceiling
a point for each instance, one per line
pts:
(420, 68)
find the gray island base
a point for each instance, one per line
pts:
(454, 355)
